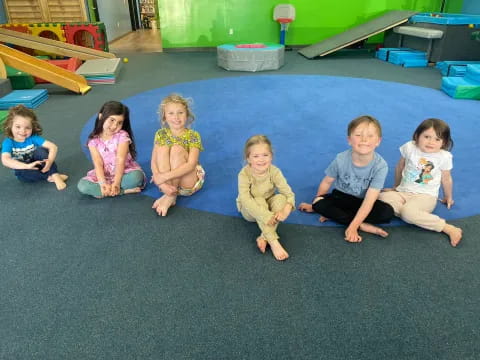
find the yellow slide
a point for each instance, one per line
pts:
(44, 70)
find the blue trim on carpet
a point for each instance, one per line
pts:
(306, 118)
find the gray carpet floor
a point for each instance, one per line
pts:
(107, 279)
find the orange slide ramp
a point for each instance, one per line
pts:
(44, 70)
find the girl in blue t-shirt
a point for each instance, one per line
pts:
(25, 151)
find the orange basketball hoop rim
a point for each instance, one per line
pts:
(284, 20)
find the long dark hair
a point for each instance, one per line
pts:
(114, 108)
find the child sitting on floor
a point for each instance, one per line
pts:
(264, 195)
(24, 150)
(176, 151)
(113, 153)
(425, 164)
(358, 174)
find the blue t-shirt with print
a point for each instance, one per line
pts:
(355, 180)
(22, 151)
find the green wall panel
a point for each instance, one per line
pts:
(208, 23)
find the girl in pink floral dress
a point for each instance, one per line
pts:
(112, 149)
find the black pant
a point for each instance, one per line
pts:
(342, 208)
(32, 175)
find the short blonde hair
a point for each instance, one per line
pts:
(176, 99)
(256, 140)
(364, 119)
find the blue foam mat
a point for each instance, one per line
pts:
(306, 118)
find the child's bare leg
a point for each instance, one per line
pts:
(57, 179)
(278, 251)
(262, 244)
(454, 233)
(372, 229)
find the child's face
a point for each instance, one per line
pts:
(259, 158)
(175, 116)
(429, 142)
(112, 125)
(21, 128)
(364, 139)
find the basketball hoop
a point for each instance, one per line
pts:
(284, 14)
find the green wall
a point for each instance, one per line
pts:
(208, 23)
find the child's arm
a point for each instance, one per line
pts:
(7, 161)
(284, 189)
(249, 203)
(52, 154)
(189, 166)
(351, 233)
(447, 185)
(121, 157)
(99, 171)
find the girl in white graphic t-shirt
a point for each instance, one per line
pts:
(425, 164)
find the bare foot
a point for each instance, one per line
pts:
(278, 251)
(305, 207)
(322, 219)
(262, 244)
(132, 191)
(57, 179)
(455, 234)
(163, 204)
(372, 229)
(64, 177)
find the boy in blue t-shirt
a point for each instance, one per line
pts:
(358, 175)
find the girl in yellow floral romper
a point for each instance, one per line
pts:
(176, 150)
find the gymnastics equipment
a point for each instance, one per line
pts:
(454, 67)
(71, 64)
(44, 70)
(467, 87)
(52, 46)
(284, 14)
(361, 32)
(5, 87)
(30, 98)
(235, 58)
(100, 71)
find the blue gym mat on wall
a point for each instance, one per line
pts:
(306, 119)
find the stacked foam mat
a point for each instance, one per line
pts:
(100, 71)
(467, 87)
(30, 98)
(403, 56)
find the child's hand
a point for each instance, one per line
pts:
(283, 214)
(272, 221)
(47, 166)
(35, 165)
(351, 235)
(105, 189)
(305, 207)
(168, 189)
(448, 202)
(159, 179)
(114, 189)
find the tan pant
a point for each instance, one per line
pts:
(273, 204)
(414, 209)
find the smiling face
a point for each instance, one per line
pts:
(21, 128)
(364, 139)
(259, 158)
(175, 117)
(429, 142)
(112, 125)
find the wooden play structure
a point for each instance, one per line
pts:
(43, 69)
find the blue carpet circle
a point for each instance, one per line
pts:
(306, 117)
